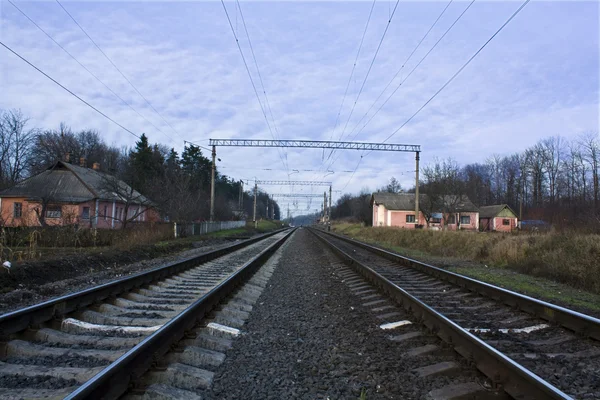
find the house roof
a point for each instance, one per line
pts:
(492, 211)
(406, 201)
(69, 183)
(396, 201)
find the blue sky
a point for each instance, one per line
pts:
(538, 77)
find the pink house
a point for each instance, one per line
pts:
(398, 209)
(499, 218)
(66, 194)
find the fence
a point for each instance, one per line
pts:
(191, 229)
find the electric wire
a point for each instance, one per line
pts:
(370, 67)
(69, 91)
(513, 15)
(353, 69)
(250, 75)
(261, 82)
(414, 68)
(367, 74)
(118, 70)
(405, 78)
(459, 70)
(85, 68)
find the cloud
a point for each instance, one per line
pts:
(538, 77)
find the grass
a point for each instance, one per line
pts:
(558, 267)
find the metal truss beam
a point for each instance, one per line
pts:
(297, 195)
(316, 144)
(297, 183)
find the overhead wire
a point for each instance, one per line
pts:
(513, 15)
(407, 76)
(250, 75)
(367, 74)
(84, 67)
(118, 69)
(459, 70)
(69, 91)
(353, 69)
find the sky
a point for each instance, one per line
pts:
(538, 77)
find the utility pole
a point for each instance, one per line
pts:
(212, 184)
(417, 189)
(267, 213)
(254, 215)
(329, 216)
(241, 200)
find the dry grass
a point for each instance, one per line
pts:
(569, 258)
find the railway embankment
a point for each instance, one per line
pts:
(557, 267)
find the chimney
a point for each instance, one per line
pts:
(82, 162)
(67, 157)
(96, 166)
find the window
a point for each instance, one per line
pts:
(105, 212)
(86, 213)
(452, 219)
(506, 222)
(410, 219)
(435, 220)
(53, 212)
(465, 219)
(18, 210)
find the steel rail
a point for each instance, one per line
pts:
(19, 320)
(583, 324)
(115, 379)
(514, 379)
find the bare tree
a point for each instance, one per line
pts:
(15, 146)
(444, 187)
(591, 148)
(132, 204)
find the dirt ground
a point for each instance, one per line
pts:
(32, 282)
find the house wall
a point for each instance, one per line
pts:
(71, 214)
(398, 218)
(471, 226)
(380, 215)
(498, 226)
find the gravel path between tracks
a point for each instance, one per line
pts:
(309, 337)
(30, 292)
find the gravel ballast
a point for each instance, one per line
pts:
(310, 337)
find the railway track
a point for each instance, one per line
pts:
(529, 348)
(97, 342)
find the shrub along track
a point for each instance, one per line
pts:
(537, 340)
(50, 349)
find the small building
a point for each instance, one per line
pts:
(67, 194)
(398, 209)
(498, 217)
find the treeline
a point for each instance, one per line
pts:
(178, 184)
(556, 180)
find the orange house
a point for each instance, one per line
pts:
(67, 194)
(398, 209)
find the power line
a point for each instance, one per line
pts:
(261, 80)
(250, 76)
(117, 68)
(73, 94)
(353, 68)
(459, 70)
(407, 76)
(414, 68)
(84, 67)
(454, 76)
(370, 67)
(367, 74)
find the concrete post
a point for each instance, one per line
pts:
(416, 188)
(212, 184)
(254, 215)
